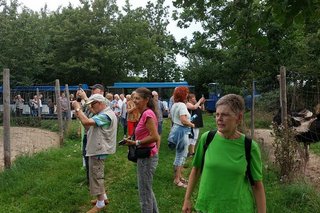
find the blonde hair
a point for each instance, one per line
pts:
(235, 102)
(109, 96)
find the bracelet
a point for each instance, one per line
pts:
(138, 142)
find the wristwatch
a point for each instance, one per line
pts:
(138, 142)
(78, 109)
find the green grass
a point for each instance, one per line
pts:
(54, 181)
(315, 148)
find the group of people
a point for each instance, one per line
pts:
(220, 168)
(221, 165)
(34, 103)
(100, 120)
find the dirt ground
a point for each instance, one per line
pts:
(312, 172)
(27, 141)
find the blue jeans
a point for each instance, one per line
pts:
(160, 127)
(124, 124)
(146, 168)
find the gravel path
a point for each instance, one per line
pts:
(26, 141)
(313, 167)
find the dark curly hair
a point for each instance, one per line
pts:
(180, 94)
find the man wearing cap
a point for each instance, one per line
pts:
(95, 89)
(101, 142)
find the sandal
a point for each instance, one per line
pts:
(185, 181)
(180, 184)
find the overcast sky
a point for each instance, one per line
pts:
(178, 33)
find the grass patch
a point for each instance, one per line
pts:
(54, 181)
(315, 148)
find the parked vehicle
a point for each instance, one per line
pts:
(214, 96)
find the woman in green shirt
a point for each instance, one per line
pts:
(223, 185)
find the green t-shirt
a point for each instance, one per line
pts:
(224, 186)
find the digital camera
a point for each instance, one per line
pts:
(193, 117)
(122, 142)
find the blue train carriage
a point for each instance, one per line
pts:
(248, 97)
(215, 94)
(164, 89)
(27, 93)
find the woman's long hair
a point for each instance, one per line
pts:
(145, 94)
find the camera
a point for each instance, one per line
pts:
(193, 117)
(122, 142)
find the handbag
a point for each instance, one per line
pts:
(138, 152)
(132, 153)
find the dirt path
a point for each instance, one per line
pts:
(27, 141)
(313, 166)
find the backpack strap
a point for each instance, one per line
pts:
(209, 138)
(247, 144)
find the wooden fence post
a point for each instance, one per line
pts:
(6, 118)
(318, 91)
(68, 101)
(252, 108)
(59, 113)
(38, 102)
(283, 96)
(69, 109)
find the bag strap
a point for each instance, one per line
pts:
(209, 138)
(247, 146)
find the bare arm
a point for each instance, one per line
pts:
(193, 179)
(86, 122)
(153, 134)
(184, 120)
(195, 106)
(260, 197)
(131, 107)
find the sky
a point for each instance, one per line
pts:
(178, 33)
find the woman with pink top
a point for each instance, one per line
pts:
(146, 135)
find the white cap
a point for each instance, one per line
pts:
(96, 97)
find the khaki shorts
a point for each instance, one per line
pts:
(96, 176)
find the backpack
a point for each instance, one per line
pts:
(247, 145)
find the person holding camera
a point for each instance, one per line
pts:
(82, 96)
(146, 136)
(101, 142)
(195, 108)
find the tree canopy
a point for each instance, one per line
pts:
(94, 42)
(245, 40)
(242, 40)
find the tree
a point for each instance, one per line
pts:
(253, 39)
